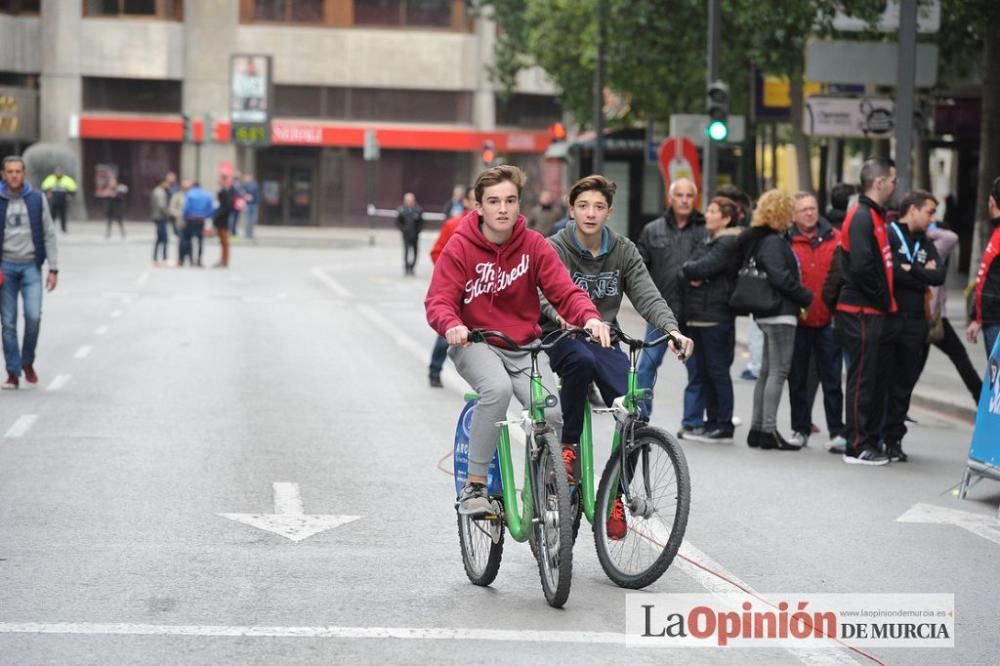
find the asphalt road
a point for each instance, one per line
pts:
(169, 397)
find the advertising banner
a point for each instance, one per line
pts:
(251, 99)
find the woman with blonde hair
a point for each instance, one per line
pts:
(767, 243)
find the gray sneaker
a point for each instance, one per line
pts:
(473, 501)
(838, 445)
(697, 434)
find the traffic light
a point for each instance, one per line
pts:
(557, 132)
(717, 108)
(489, 153)
(188, 133)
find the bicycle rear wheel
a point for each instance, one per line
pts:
(646, 535)
(553, 532)
(481, 540)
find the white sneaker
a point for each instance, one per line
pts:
(800, 438)
(737, 422)
(837, 445)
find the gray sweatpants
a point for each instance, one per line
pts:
(496, 375)
(779, 345)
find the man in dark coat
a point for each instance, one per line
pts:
(410, 220)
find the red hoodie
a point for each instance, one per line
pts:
(480, 284)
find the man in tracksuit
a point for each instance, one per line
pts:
(27, 241)
(916, 266)
(866, 297)
(985, 313)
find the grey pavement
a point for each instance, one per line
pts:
(184, 394)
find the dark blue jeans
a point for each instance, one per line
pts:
(816, 345)
(438, 356)
(161, 239)
(714, 347)
(578, 363)
(24, 282)
(990, 334)
(649, 363)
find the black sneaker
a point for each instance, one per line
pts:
(867, 456)
(721, 436)
(774, 441)
(753, 438)
(895, 452)
(436, 382)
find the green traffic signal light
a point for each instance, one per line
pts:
(717, 130)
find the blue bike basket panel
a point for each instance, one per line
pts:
(493, 482)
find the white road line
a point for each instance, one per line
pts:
(979, 524)
(142, 278)
(410, 633)
(58, 382)
(333, 285)
(21, 425)
(287, 498)
(101, 330)
(116, 313)
(83, 352)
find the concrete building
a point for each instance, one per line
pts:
(117, 81)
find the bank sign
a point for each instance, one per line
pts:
(251, 99)
(18, 114)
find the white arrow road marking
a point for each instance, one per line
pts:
(22, 425)
(289, 518)
(58, 382)
(977, 523)
(83, 352)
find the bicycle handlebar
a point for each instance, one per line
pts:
(618, 335)
(480, 335)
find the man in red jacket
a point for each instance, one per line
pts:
(489, 276)
(985, 313)
(814, 242)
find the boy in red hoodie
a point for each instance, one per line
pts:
(488, 276)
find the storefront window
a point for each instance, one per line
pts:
(522, 110)
(131, 95)
(392, 105)
(163, 9)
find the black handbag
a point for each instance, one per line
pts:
(753, 294)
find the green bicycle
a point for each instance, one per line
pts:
(545, 519)
(640, 510)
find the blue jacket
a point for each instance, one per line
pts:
(33, 200)
(198, 204)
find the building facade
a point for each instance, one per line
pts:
(118, 81)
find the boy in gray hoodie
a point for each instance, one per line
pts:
(606, 265)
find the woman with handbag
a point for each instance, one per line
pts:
(766, 248)
(708, 283)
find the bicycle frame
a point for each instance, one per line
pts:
(519, 521)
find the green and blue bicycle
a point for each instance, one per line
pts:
(639, 510)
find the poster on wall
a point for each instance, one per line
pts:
(250, 99)
(104, 174)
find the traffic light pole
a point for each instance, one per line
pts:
(906, 74)
(602, 38)
(714, 46)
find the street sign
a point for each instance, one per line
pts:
(928, 18)
(251, 98)
(678, 158)
(693, 125)
(866, 63)
(371, 149)
(848, 117)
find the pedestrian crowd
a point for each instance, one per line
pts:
(849, 302)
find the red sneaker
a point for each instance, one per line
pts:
(569, 462)
(617, 527)
(10, 384)
(29, 374)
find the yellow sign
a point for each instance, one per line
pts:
(777, 95)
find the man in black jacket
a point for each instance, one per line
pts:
(665, 244)
(916, 266)
(866, 297)
(410, 220)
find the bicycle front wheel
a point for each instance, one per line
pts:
(642, 511)
(481, 540)
(553, 532)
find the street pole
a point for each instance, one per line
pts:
(714, 46)
(370, 183)
(907, 69)
(602, 38)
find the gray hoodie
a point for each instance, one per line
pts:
(18, 245)
(617, 270)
